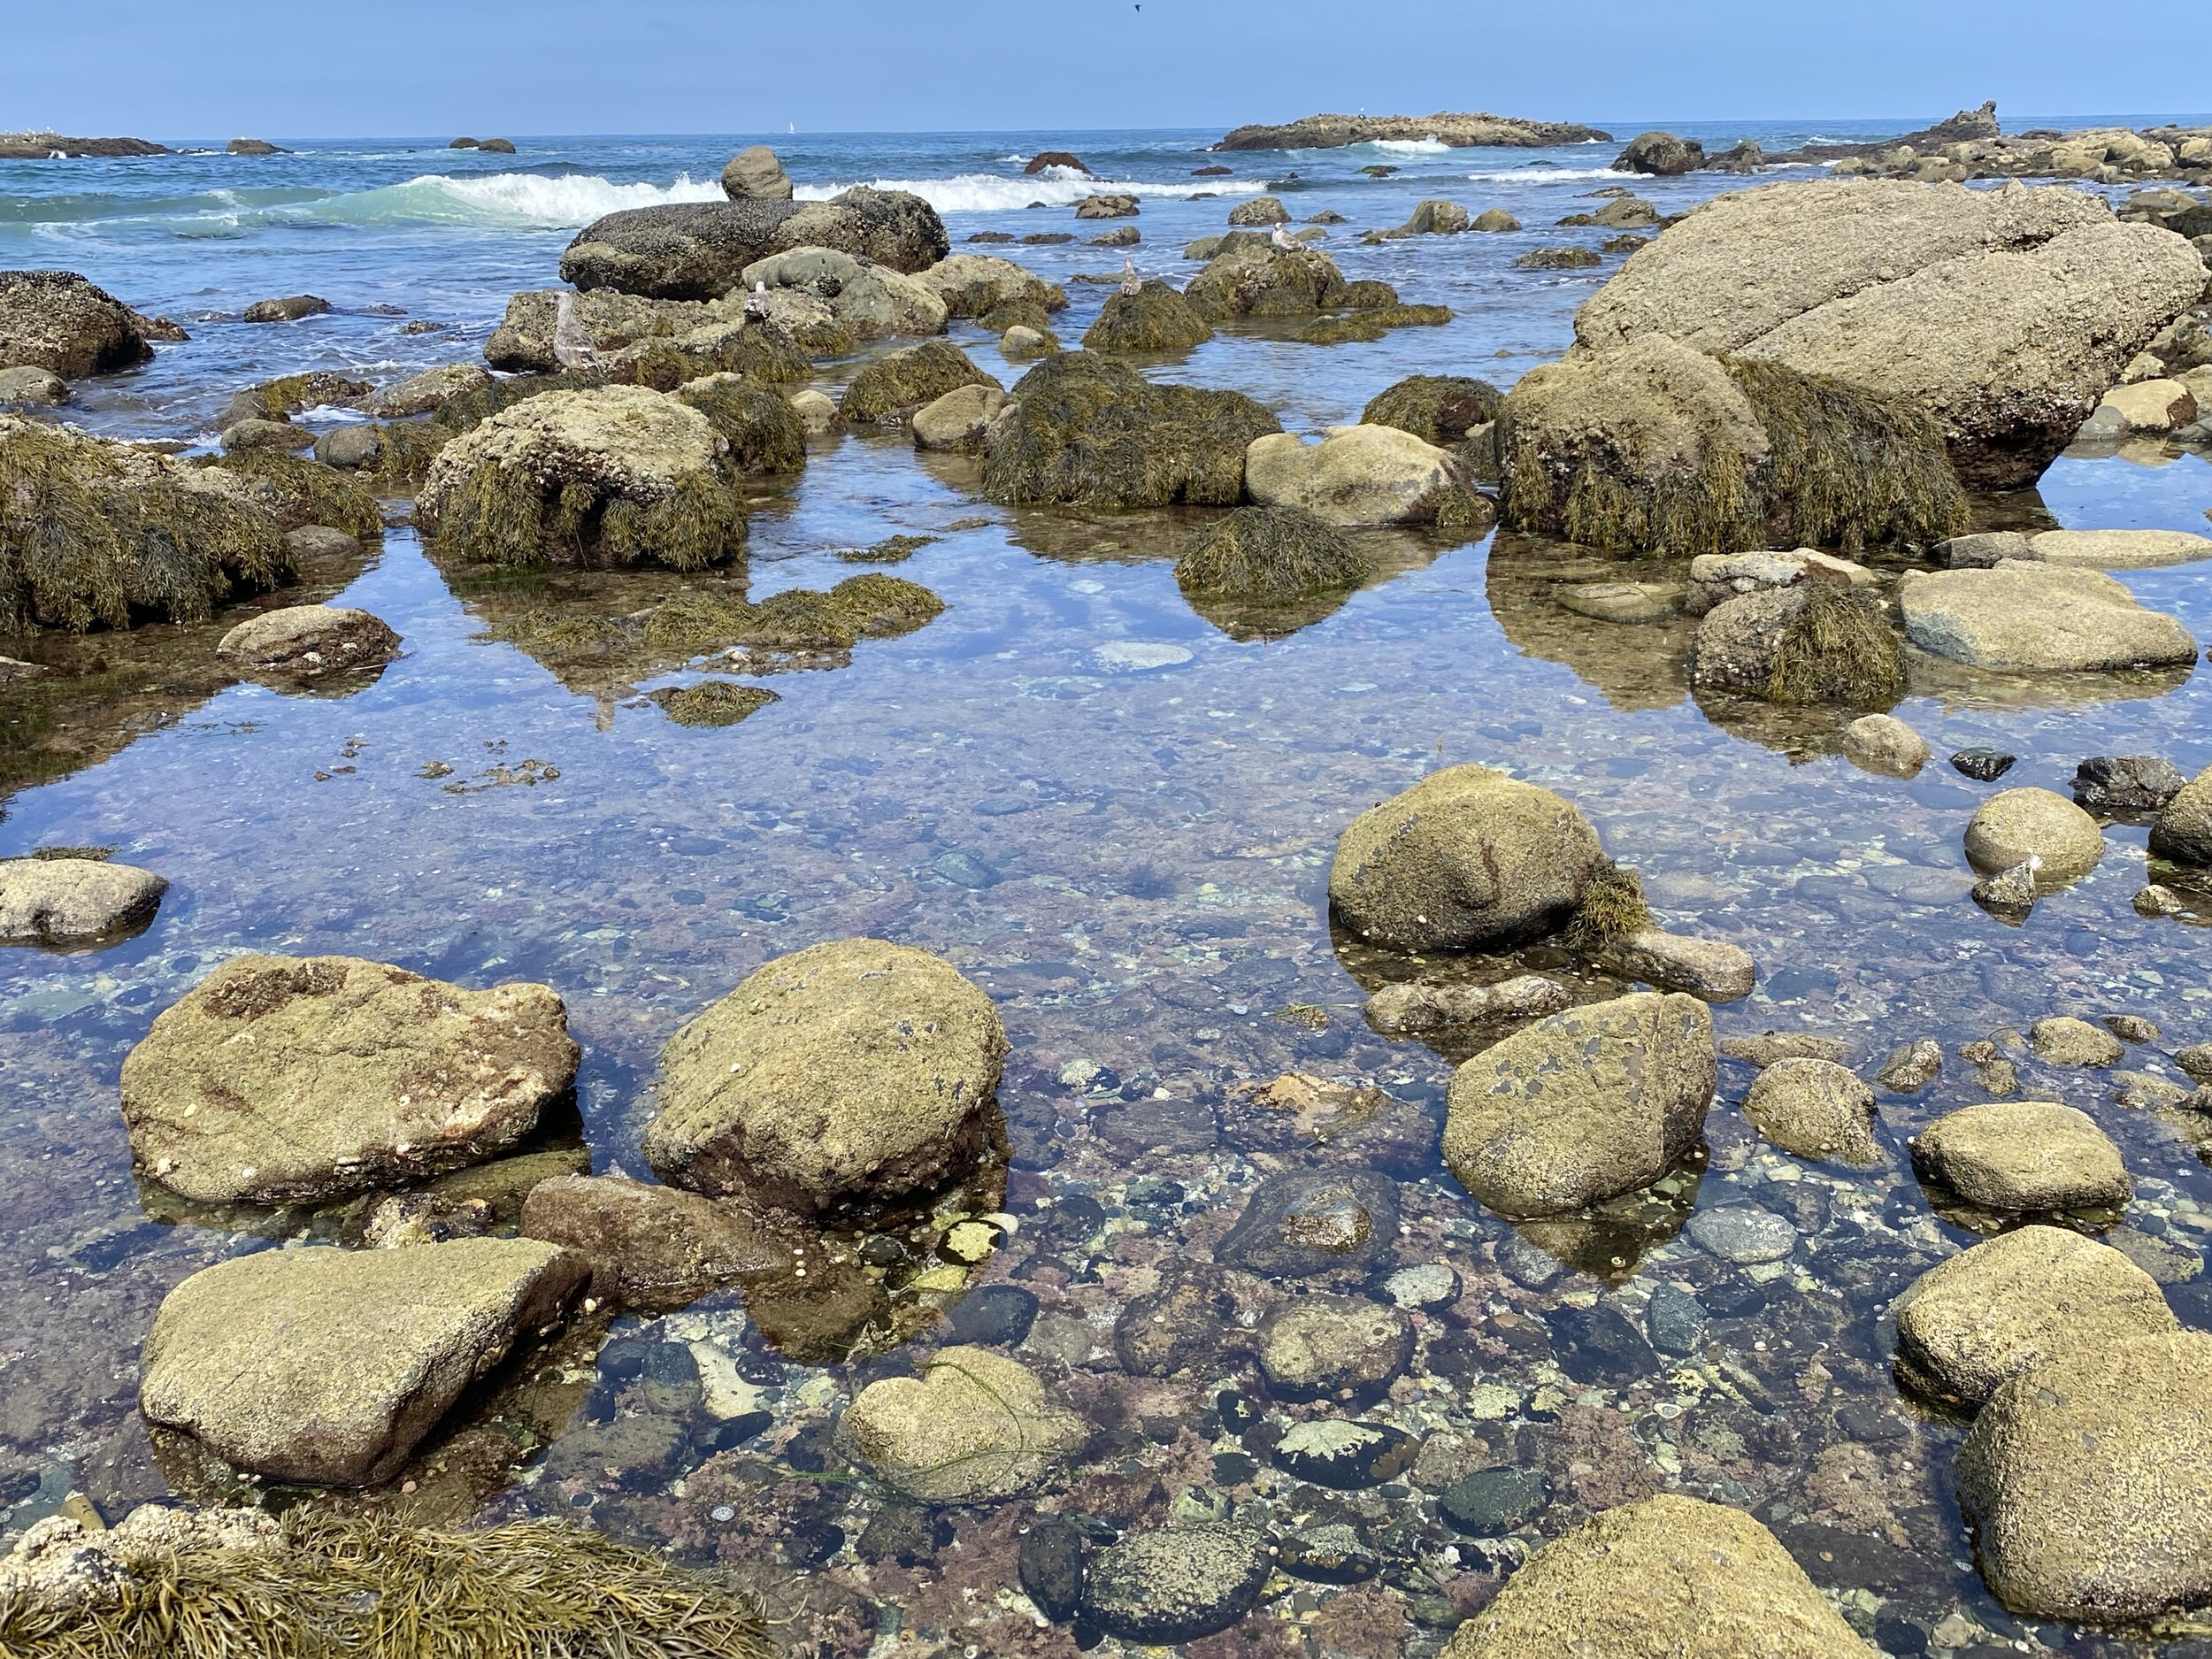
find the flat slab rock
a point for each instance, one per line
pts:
(328, 1366)
(73, 901)
(280, 1080)
(2026, 616)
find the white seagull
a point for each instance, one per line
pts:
(572, 347)
(757, 304)
(1132, 279)
(1284, 241)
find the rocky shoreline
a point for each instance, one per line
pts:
(1461, 132)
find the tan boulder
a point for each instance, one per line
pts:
(975, 1427)
(2030, 1156)
(73, 901)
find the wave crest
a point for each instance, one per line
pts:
(516, 200)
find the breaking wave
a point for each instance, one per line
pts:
(1057, 186)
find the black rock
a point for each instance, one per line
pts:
(1329, 1554)
(1491, 1503)
(1600, 1345)
(1176, 1327)
(1307, 1222)
(996, 1315)
(734, 1432)
(1237, 1412)
(1178, 1584)
(622, 1359)
(1051, 1568)
(904, 1533)
(1674, 1320)
(1072, 1219)
(1983, 765)
(1344, 1456)
(2126, 783)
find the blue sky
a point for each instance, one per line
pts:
(303, 69)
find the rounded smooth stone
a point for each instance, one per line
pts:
(310, 641)
(1305, 1222)
(1884, 743)
(73, 901)
(1178, 1584)
(2065, 1040)
(1322, 1347)
(2025, 1155)
(1743, 1234)
(996, 1315)
(1815, 1108)
(1491, 1503)
(1674, 1321)
(2023, 824)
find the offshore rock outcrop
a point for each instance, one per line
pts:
(1461, 132)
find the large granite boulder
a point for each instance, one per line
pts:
(57, 321)
(1971, 1324)
(1093, 432)
(73, 901)
(1357, 475)
(2183, 832)
(1467, 858)
(1669, 1577)
(2002, 315)
(606, 320)
(2028, 617)
(2030, 1156)
(1653, 444)
(2015, 827)
(2087, 1480)
(283, 1079)
(1660, 155)
(1599, 1101)
(616, 475)
(755, 175)
(328, 1367)
(870, 300)
(851, 1073)
(974, 1428)
(698, 250)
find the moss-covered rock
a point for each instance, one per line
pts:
(57, 321)
(856, 1073)
(1439, 409)
(1269, 555)
(296, 490)
(1807, 643)
(1658, 446)
(870, 300)
(1467, 858)
(762, 354)
(765, 433)
(976, 285)
(353, 1075)
(608, 318)
(1357, 475)
(1264, 281)
(620, 475)
(698, 250)
(1091, 431)
(1371, 323)
(420, 394)
(93, 534)
(1559, 260)
(1156, 317)
(890, 388)
(713, 703)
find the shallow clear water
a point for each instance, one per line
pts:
(1132, 860)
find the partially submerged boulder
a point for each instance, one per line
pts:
(1661, 155)
(648, 1246)
(1156, 317)
(1467, 858)
(1815, 1108)
(310, 641)
(852, 1074)
(2001, 315)
(620, 475)
(755, 175)
(328, 1367)
(892, 387)
(698, 250)
(2030, 1156)
(1439, 409)
(605, 320)
(2183, 830)
(73, 901)
(1360, 475)
(1269, 555)
(1655, 445)
(1588, 1104)
(2032, 617)
(1263, 281)
(975, 1427)
(959, 420)
(1807, 643)
(420, 394)
(57, 321)
(284, 1080)
(2017, 827)
(101, 535)
(764, 431)
(2085, 1480)
(870, 300)
(1668, 1578)
(1090, 431)
(974, 285)
(1970, 1324)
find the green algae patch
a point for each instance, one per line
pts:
(371, 1590)
(1612, 907)
(1371, 323)
(892, 550)
(1437, 409)
(97, 534)
(1269, 555)
(713, 703)
(765, 433)
(298, 491)
(1838, 649)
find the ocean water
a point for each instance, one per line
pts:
(1116, 814)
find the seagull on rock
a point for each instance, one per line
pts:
(572, 347)
(1284, 241)
(1132, 279)
(756, 306)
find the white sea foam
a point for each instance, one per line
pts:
(987, 193)
(518, 200)
(1545, 175)
(1431, 146)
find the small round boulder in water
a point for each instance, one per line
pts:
(1178, 1584)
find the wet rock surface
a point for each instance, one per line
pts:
(2033, 1156)
(976, 1426)
(73, 901)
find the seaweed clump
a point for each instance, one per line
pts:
(1656, 446)
(407, 447)
(1611, 908)
(1439, 409)
(299, 491)
(762, 355)
(892, 387)
(1371, 323)
(1839, 647)
(99, 535)
(1156, 317)
(620, 475)
(324, 1586)
(713, 703)
(765, 434)
(1092, 432)
(1269, 553)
